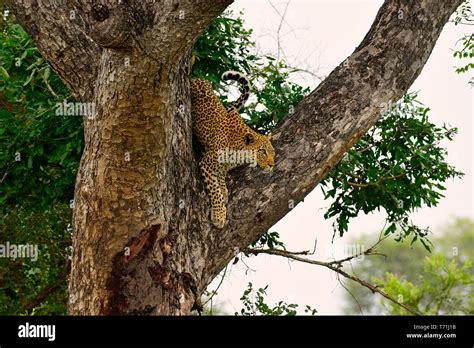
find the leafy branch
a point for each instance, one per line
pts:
(398, 166)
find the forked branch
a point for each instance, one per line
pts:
(335, 266)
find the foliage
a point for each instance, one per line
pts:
(40, 150)
(254, 304)
(464, 15)
(448, 288)
(467, 51)
(38, 163)
(413, 280)
(398, 166)
(21, 280)
(270, 240)
(225, 45)
(210, 304)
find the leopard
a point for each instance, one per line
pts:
(227, 141)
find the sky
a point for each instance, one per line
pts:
(317, 35)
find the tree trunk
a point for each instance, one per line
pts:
(143, 242)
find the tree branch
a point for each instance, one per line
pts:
(59, 34)
(335, 266)
(73, 37)
(310, 141)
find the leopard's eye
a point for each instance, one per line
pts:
(262, 153)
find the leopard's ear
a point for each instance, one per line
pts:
(249, 139)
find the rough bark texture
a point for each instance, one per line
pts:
(143, 242)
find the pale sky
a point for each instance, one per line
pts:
(317, 35)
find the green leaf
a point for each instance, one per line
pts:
(28, 80)
(4, 73)
(392, 228)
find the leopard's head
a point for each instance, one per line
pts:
(262, 146)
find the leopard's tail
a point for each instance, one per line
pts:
(244, 87)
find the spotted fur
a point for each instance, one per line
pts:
(222, 131)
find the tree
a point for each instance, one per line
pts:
(38, 186)
(415, 276)
(143, 242)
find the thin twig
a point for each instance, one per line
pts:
(214, 292)
(306, 71)
(4, 176)
(282, 19)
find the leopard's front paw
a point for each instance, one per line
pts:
(218, 215)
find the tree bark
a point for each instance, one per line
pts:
(143, 242)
